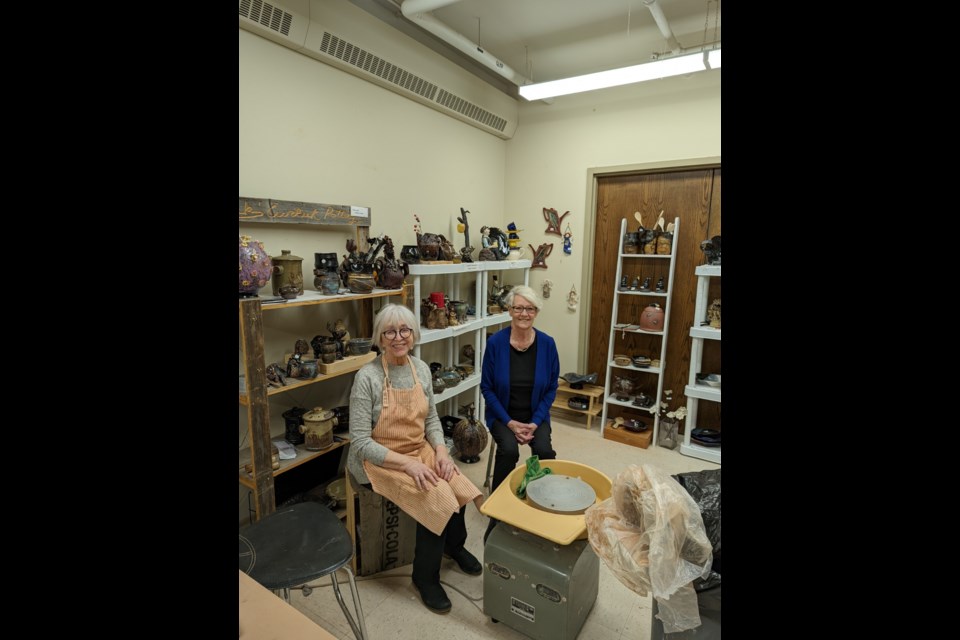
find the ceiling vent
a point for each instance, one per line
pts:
(295, 31)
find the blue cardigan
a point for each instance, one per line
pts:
(495, 378)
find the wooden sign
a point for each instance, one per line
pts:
(289, 211)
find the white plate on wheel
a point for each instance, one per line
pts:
(561, 494)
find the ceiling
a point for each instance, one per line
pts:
(551, 39)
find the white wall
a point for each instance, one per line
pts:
(555, 145)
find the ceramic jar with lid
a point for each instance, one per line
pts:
(318, 428)
(287, 270)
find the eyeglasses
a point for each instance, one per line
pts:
(528, 310)
(404, 332)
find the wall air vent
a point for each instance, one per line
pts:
(373, 64)
(288, 23)
(354, 55)
(471, 110)
(266, 14)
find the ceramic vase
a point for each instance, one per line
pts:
(255, 266)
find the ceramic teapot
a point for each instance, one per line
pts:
(318, 428)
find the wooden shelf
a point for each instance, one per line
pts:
(591, 391)
(625, 436)
(296, 383)
(311, 297)
(303, 456)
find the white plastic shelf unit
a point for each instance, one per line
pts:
(696, 392)
(622, 325)
(452, 280)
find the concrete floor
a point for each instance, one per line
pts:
(393, 609)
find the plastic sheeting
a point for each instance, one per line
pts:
(650, 534)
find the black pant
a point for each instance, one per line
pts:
(508, 449)
(430, 547)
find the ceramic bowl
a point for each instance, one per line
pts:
(360, 346)
(450, 378)
(709, 379)
(621, 360)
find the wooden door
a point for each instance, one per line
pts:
(694, 197)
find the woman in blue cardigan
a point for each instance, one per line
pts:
(519, 382)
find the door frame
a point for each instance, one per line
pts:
(593, 176)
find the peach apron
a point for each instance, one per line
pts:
(401, 429)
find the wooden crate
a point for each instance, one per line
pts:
(348, 363)
(625, 436)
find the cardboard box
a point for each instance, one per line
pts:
(384, 536)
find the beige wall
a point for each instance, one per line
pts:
(555, 145)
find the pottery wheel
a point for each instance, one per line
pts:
(561, 494)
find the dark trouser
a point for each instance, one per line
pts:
(430, 547)
(508, 449)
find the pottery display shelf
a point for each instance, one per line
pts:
(255, 392)
(696, 392)
(591, 391)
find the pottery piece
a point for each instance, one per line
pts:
(287, 269)
(410, 254)
(470, 438)
(325, 261)
(577, 380)
(256, 267)
(294, 418)
(318, 428)
(652, 318)
(360, 346)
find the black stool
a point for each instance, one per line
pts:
(298, 544)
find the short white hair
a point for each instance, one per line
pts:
(524, 291)
(394, 315)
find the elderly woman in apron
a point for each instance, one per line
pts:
(397, 447)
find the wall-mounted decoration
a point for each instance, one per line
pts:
(546, 286)
(290, 211)
(568, 240)
(554, 220)
(573, 298)
(540, 255)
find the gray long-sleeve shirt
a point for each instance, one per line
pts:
(366, 402)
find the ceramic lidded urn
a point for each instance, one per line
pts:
(288, 270)
(318, 427)
(255, 266)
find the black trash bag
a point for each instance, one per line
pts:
(704, 488)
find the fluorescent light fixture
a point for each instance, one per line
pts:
(676, 66)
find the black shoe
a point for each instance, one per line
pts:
(468, 563)
(434, 597)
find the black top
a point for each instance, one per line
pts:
(523, 365)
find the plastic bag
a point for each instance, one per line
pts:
(534, 471)
(651, 536)
(704, 488)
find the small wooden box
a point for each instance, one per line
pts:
(348, 363)
(626, 436)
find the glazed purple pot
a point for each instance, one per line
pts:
(255, 266)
